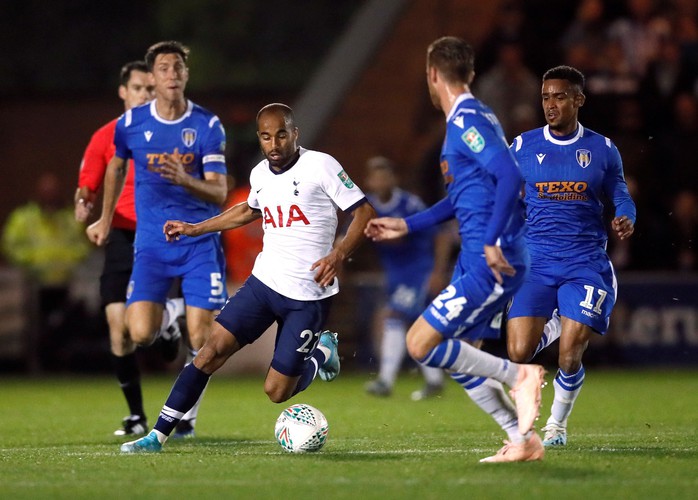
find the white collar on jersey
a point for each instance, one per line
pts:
(573, 139)
(154, 113)
(459, 99)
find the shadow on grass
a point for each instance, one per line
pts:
(241, 446)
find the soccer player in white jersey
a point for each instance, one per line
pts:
(567, 169)
(296, 193)
(482, 192)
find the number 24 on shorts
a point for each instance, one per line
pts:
(452, 304)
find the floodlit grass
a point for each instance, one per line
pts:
(632, 435)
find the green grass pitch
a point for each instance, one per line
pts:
(632, 435)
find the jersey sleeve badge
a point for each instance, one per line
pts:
(473, 139)
(344, 177)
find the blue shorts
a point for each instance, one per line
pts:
(471, 306)
(408, 298)
(255, 307)
(200, 265)
(583, 290)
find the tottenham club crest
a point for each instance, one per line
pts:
(583, 157)
(188, 137)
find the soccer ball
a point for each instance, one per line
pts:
(301, 428)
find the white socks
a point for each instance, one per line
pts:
(551, 332)
(174, 308)
(567, 389)
(472, 361)
(393, 350)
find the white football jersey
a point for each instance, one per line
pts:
(299, 217)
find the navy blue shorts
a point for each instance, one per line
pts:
(255, 307)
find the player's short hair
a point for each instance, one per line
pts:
(376, 163)
(282, 109)
(167, 47)
(572, 75)
(453, 57)
(130, 67)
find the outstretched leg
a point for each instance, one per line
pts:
(426, 345)
(187, 389)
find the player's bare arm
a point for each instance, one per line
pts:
(114, 179)
(236, 216)
(327, 267)
(498, 263)
(212, 188)
(386, 228)
(623, 227)
(84, 202)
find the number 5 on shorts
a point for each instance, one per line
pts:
(217, 286)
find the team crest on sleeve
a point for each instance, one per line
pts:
(344, 177)
(473, 140)
(188, 136)
(583, 157)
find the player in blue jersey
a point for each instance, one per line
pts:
(296, 192)
(568, 169)
(482, 184)
(178, 152)
(413, 267)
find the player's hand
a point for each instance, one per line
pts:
(173, 229)
(173, 169)
(326, 269)
(385, 228)
(97, 232)
(498, 263)
(84, 202)
(83, 209)
(623, 227)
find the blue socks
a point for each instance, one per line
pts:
(184, 394)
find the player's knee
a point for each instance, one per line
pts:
(142, 337)
(519, 352)
(417, 349)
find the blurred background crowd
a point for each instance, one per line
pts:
(640, 58)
